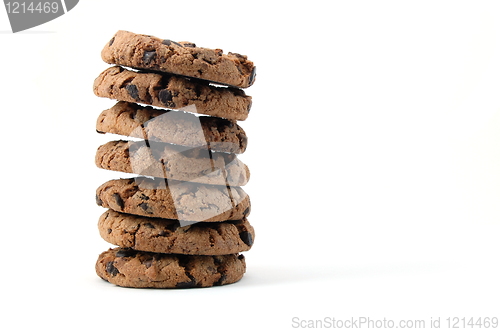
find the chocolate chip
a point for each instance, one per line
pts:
(148, 57)
(243, 141)
(119, 200)
(249, 106)
(109, 230)
(144, 197)
(133, 91)
(145, 207)
(169, 42)
(165, 97)
(252, 76)
(187, 284)
(111, 41)
(149, 225)
(241, 257)
(163, 233)
(246, 212)
(188, 44)
(222, 278)
(126, 253)
(247, 238)
(98, 200)
(173, 226)
(148, 263)
(111, 269)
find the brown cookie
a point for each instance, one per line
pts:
(183, 58)
(167, 236)
(130, 268)
(175, 127)
(172, 162)
(185, 201)
(173, 92)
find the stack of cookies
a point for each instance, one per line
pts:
(181, 220)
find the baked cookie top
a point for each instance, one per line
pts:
(170, 161)
(176, 127)
(181, 58)
(130, 268)
(185, 201)
(168, 236)
(174, 92)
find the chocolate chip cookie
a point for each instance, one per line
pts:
(168, 236)
(172, 92)
(185, 201)
(172, 162)
(175, 127)
(130, 268)
(182, 58)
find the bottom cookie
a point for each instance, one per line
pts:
(138, 269)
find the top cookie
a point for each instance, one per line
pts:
(183, 58)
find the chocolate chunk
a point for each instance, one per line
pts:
(169, 42)
(187, 284)
(187, 44)
(148, 57)
(252, 76)
(243, 141)
(109, 230)
(98, 200)
(111, 269)
(165, 97)
(144, 197)
(111, 41)
(249, 106)
(247, 238)
(148, 263)
(149, 225)
(222, 278)
(145, 207)
(133, 91)
(119, 200)
(173, 226)
(126, 253)
(246, 212)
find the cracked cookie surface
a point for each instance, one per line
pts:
(172, 92)
(167, 236)
(130, 268)
(182, 58)
(172, 162)
(187, 202)
(174, 127)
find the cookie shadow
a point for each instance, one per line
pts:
(279, 275)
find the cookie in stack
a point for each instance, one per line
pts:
(181, 222)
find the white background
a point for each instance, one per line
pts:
(374, 147)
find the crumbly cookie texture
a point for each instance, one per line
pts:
(185, 201)
(173, 92)
(130, 268)
(175, 127)
(167, 236)
(182, 58)
(172, 162)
